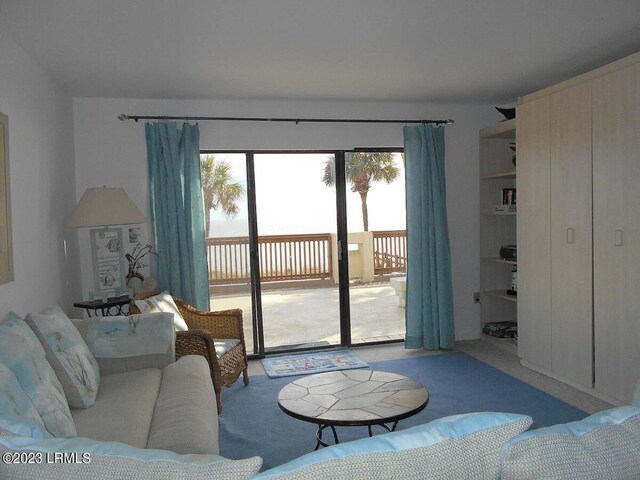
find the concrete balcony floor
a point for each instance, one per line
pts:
(309, 316)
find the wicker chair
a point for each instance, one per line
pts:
(199, 340)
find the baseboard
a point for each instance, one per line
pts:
(591, 391)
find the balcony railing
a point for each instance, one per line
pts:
(295, 257)
(389, 251)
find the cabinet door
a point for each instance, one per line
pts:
(616, 212)
(571, 235)
(534, 254)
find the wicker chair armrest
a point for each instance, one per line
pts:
(198, 342)
(202, 340)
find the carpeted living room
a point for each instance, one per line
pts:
(471, 378)
(288, 239)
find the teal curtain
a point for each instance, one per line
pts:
(176, 211)
(429, 296)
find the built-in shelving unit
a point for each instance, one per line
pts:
(497, 172)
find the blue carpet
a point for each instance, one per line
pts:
(251, 422)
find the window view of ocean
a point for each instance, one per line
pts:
(292, 199)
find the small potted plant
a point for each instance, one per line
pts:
(134, 278)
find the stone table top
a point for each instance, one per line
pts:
(353, 397)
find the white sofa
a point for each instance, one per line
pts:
(154, 418)
(153, 402)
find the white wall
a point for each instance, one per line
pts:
(113, 153)
(42, 184)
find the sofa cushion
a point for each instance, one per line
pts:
(19, 416)
(131, 335)
(460, 446)
(185, 419)
(21, 351)
(123, 408)
(89, 459)
(604, 445)
(68, 355)
(163, 302)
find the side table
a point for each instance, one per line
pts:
(113, 306)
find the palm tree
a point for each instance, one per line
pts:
(362, 169)
(219, 191)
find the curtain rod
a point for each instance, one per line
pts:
(124, 116)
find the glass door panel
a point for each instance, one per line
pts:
(297, 249)
(376, 220)
(224, 185)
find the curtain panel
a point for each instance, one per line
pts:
(176, 211)
(429, 296)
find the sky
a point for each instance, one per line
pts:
(292, 199)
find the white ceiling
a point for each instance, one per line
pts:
(449, 51)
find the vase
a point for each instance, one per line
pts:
(135, 284)
(149, 284)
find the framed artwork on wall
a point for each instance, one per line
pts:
(6, 251)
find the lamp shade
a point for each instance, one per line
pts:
(105, 206)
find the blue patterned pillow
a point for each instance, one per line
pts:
(18, 416)
(460, 446)
(21, 351)
(68, 355)
(604, 445)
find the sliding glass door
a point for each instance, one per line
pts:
(305, 247)
(296, 220)
(376, 219)
(224, 182)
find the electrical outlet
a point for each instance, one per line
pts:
(476, 297)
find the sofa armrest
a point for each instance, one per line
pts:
(110, 365)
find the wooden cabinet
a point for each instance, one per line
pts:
(616, 241)
(571, 234)
(534, 233)
(579, 230)
(554, 232)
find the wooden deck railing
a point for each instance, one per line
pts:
(296, 257)
(389, 251)
(282, 257)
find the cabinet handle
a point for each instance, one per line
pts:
(618, 238)
(570, 235)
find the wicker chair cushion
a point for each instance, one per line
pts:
(223, 345)
(163, 302)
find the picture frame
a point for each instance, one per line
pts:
(107, 253)
(6, 243)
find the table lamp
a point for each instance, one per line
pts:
(104, 207)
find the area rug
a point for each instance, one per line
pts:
(309, 363)
(251, 422)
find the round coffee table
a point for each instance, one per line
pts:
(352, 398)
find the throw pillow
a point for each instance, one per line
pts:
(131, 336)
(604, 445)
(68, 354)
(19, 416)
(163, 302)
(86, 458)
(460, 446)
(21, 351)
